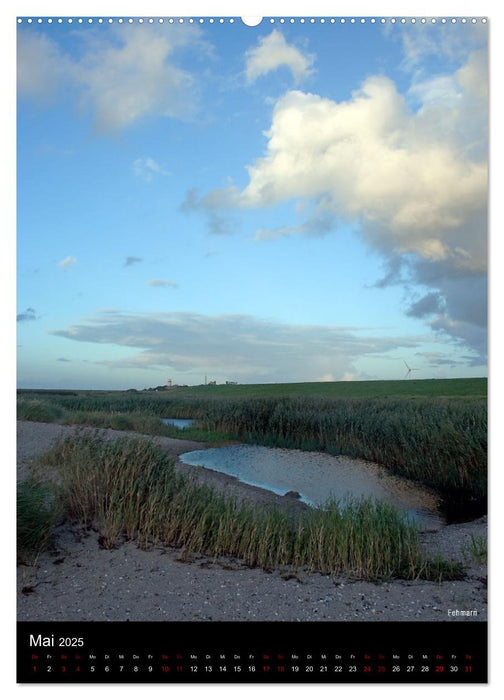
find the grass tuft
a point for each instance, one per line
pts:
(36, 516)
(478, 549)
(39, 410)
(129, 488)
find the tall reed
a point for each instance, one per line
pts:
(439, 442)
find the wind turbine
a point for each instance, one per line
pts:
(409, 370)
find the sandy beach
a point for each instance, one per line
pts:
(77, 580)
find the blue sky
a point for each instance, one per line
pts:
(288, 202)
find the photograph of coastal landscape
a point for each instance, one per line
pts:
(252, 331)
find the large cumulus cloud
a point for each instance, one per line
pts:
(409, 169)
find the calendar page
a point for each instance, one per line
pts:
(252, 349)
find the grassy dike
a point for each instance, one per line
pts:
(130, 489)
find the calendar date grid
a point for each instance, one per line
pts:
(210, 664)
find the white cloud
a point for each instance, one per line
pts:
(122, 78)
(134, 79)
(372, 161)
(41, 67)
(473, 75)
(67, 262)
(273, 52)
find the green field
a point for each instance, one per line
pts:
(413, 388)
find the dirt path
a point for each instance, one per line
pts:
(77, 580)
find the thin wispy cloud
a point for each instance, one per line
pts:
(419, 46)
(147, 168)
(248, 348)
(67, 262)
(132, 261)
(219, 223)
(317, 225)
(163, 283)
(28, 315)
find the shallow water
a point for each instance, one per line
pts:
(318, 477)
(179, 423)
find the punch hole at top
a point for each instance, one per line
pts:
(252, 21)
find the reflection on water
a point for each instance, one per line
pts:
(317, 477)
(179, 423)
